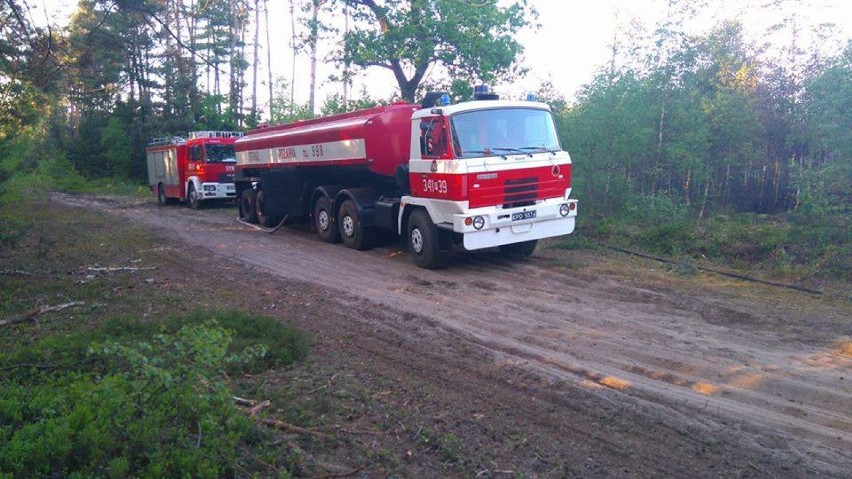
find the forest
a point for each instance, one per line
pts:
(712, 146)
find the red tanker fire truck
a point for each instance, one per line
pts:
(196, 170)
(481, 174)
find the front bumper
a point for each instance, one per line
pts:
(499, 229)
(213, 191)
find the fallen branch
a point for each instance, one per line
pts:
(342, 474)
(258, 407)
(717, 271)
(286, 426)
(121, 268)
(244, 402)
(16, 272)
(38, 311)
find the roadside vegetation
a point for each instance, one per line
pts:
(107, 372)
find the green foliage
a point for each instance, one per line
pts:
(116, 147)
(471, 40)
(141, 404)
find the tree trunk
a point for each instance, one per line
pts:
(268, 55)
(313, 39)
(293, 46)
(255, 58)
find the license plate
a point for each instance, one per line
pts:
(523, 215)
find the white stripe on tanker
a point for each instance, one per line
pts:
(331, 151)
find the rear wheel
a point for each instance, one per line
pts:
(324, 221)
(264, 219)
(523, 249)
(248, 212)
(424, 241)
(353, 234)
(192, 198)
(161, 195)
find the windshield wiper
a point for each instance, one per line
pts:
(539, 148)
(514, 150)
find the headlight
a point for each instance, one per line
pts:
(563, 210)
(478, 222)
(209, 187)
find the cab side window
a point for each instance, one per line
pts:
(433, 138)
(195, 153)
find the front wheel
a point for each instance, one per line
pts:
(192, 198)
(523, 249)
(424, 241)
(352, 232)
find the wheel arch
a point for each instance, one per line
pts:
(196, 183)
(364, 199)
(328, 191)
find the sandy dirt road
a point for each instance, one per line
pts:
(775, 375)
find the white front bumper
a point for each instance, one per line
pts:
(499, 228)
(212, 191)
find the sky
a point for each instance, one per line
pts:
(571, 44)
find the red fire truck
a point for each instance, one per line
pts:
(484, 173)
(196, 170)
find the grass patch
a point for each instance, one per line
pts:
(159, 407)
(136, 381)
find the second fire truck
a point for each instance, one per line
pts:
(195, 170)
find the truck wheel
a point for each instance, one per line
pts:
(161, 195)
(267, 221)
(353, 234)
(192, 198)
(523, 249)
(324, 221)
(248, 212)
(423, 241)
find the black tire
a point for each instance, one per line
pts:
(324, 221)
(192, 198)
(523, 249)
(248, 199)
(353, 234)
(267, 221)
(161, 195)
(424, 241)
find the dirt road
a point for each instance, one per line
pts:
(769, 371)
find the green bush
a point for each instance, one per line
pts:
(112, 404)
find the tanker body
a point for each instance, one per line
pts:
(480, 174)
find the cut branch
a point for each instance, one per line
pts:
(38, 311)
(286, 426)
(121, 268)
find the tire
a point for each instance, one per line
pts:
(324, 221)
(267, 221)
(523, 249)
(353, 234)
(248, 199)
(192, 198)
(161, 195)
(424, 241)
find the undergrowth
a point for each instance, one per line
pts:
(795, 245)
(143, 399)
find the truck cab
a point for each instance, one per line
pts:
(491, 172)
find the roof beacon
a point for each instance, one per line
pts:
(482, 92)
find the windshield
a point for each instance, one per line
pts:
(503, 131)
(220, 153)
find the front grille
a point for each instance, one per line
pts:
(520, 192)
(226, 178)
